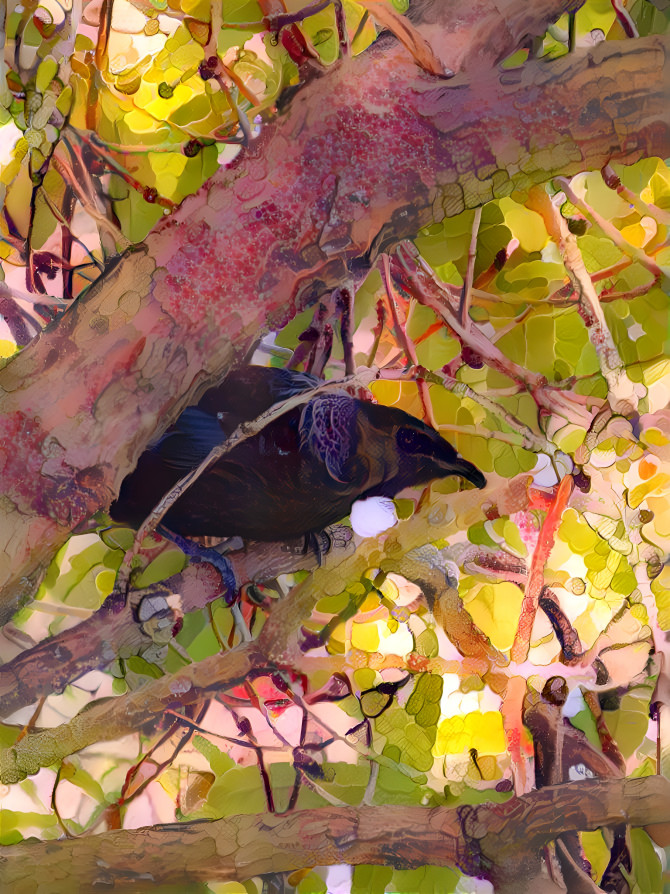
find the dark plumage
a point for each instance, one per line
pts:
(302, 472)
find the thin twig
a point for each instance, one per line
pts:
(344, 299)
(623, 394)
(566, 294)
(308, 338)
(400, 329)
(63, 221)
(464, 309)
(535, 581)
(637, 254)
(420, 281)
(342, 32)
(377, 332)
(88, 203)
(33, 719)
(54, 804)
(412, 39)
(530, 440)
(612, 180)
(606, 295)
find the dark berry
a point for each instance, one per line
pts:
(310, 639)
(472, 358)
(577, 226)
(610, 178)
(192, 148)
(205, 71)
(582, 481)
(310, 334)
(96, 165)
(609, 701)
(500, 259)
(602, 674)
(555, 691)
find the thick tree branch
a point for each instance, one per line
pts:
(491, 841)
(373, 151)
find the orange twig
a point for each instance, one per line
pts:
(536, 574)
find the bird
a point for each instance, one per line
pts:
(302, 472)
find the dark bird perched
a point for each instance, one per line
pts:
(302, 472)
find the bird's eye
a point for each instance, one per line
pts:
(411, 441)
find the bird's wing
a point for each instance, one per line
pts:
(187, 443)
(290, 382)
(328, 431)
(249, 391)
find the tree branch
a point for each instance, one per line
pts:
(281, 642)
(53, 663)
(489, 840)
(242, 255)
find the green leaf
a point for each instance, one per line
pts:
(596, 851)
(218, 760)
(527, 226)
(647, 870)
(83, 780)
(424, 880)
(239, 790)
(312, 884)
(169, 562)
(12, 821)
(370, 879)
(630, 724)
(138, 665)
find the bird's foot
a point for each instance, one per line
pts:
(230, 592)
(318, 542)
(198, 553)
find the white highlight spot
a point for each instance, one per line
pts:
(544, 473)
(372, 516)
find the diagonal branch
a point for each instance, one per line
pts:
(171, 318)
(535, 581)
(281, 640)
(623, 394)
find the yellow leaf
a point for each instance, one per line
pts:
(654, 485)
(365, 637)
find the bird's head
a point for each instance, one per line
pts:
(424, 454)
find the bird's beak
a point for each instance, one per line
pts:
(466, 470)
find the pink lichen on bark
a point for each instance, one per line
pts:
(366, 149)
(366, 155)
(29, 454)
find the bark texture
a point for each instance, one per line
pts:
(500, 842)
(361, 158)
